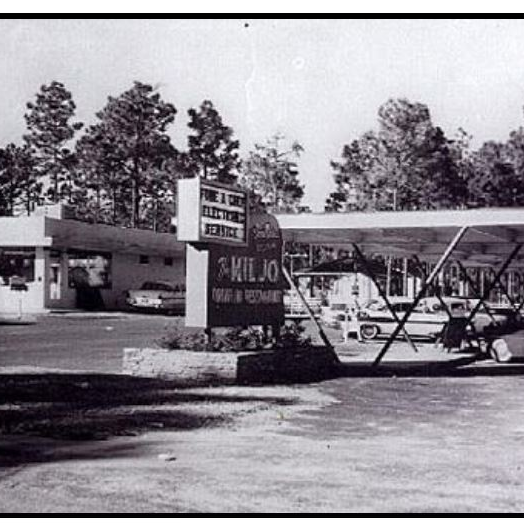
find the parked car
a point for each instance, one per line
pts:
(376, 319)
(498, 319)
(513, 317)
(507, 347)
(158, 296)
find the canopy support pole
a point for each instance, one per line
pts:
(310, 312)
(439, 296)
(477, 293)
(516, 308)
(490, 288)
(382, 294)
(436, 270)
(424, 274)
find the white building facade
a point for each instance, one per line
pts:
(55, 257)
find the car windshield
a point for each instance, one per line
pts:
(452, 306)
(374, 305)
(381, 306)
(156, 286)
(455, 306)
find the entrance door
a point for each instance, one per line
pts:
(55, 284)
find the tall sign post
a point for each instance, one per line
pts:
(233, 260)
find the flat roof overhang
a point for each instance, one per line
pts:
(491, 235)
(42, 231)
(72, 234)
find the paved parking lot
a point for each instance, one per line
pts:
(81, 342)
(94, 342)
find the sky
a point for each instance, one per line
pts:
(320, 82)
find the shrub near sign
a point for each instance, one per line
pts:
(245, 285)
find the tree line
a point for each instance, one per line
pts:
(408, 163)
(123, 169)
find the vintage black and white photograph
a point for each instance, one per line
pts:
(261, 265)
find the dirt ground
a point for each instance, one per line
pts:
(95, 443)
(77, 436)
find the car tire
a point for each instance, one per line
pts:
(369, 331)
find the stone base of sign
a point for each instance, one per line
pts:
(262, 367)
(287, 366)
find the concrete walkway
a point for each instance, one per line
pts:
(357, 359)
(14, 319)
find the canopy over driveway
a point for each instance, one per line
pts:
(491, 234)
(473, 237)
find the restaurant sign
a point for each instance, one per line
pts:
(233, 261)
(245, 285)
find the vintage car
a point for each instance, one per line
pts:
(511, 315)
(507, 347)
(158, 296)
(376, 319)
(497, 319)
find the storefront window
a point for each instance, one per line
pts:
(17, 262)
(89, 270)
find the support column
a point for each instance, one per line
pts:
(489, 288)
(505, 292)
(443, 259)
(475, 290)
(383, 294)
(420, 267)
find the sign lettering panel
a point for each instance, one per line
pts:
(209, 212)
(223, 214)
(246, 283)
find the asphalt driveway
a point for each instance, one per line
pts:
(82, 342)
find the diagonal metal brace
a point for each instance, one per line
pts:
(310, 312)
(383, 294)
(436, 270)
(439, 296)
(420, 267)
(516, 308)
(473, 286)
(490, 288)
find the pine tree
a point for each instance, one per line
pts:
(19, 188)
(212, 151)
(407, 164)
(493, 180)
(271, 172)
(124, 155)
(50, 132)
(353, 176)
